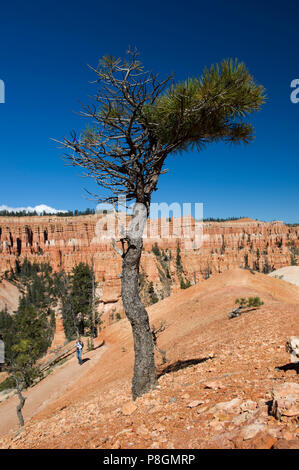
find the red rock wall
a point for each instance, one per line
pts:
(66, 241)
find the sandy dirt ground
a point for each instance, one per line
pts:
(214, 391)
(60, 381)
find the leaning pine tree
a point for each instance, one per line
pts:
(136, 121)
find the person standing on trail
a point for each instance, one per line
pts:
(79, 349)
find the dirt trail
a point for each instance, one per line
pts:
(41, 395)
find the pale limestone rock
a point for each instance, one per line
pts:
(129, 408)
(195, 403)
(292, 347)
(214, 385)
(229, 406)
(248, 405)
(250, 431)
(285, 400)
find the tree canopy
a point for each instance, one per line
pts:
(136, 120)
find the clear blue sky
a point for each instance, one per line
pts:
(46, 45)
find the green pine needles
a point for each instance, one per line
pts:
(250, 302)
(210, 108)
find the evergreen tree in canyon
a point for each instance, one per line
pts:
(26, 339)
(81, 297)
(135, 121)
(78, 301)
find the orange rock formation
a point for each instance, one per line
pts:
(67, 241)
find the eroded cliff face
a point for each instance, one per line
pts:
(67, 241)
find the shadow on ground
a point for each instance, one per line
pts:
(178, 365)
(85, 360)
(289, 366)
(99, 346)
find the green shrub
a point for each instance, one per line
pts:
(254, 302)
(156, 250)
(251, 302)
(185, 284)
(7, 384)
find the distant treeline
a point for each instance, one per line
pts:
(5, 213)
(212, 219)
(88, 211)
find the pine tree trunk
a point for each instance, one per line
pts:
(144, 378)
(92, 306)
(20, 407)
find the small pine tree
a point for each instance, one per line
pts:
(179, 265)
(246, 261)
(242, 302)
(78, 301)
(156, 250)
(267, 268)
(185, 284)
(153, 296)
(223, 246)
(26, 338)
(254, 302)
(251, 302)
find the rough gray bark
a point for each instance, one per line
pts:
(92, 323)
(21, 403)
(144, 378)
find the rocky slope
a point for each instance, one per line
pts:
(66, 241)
(227, 383)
